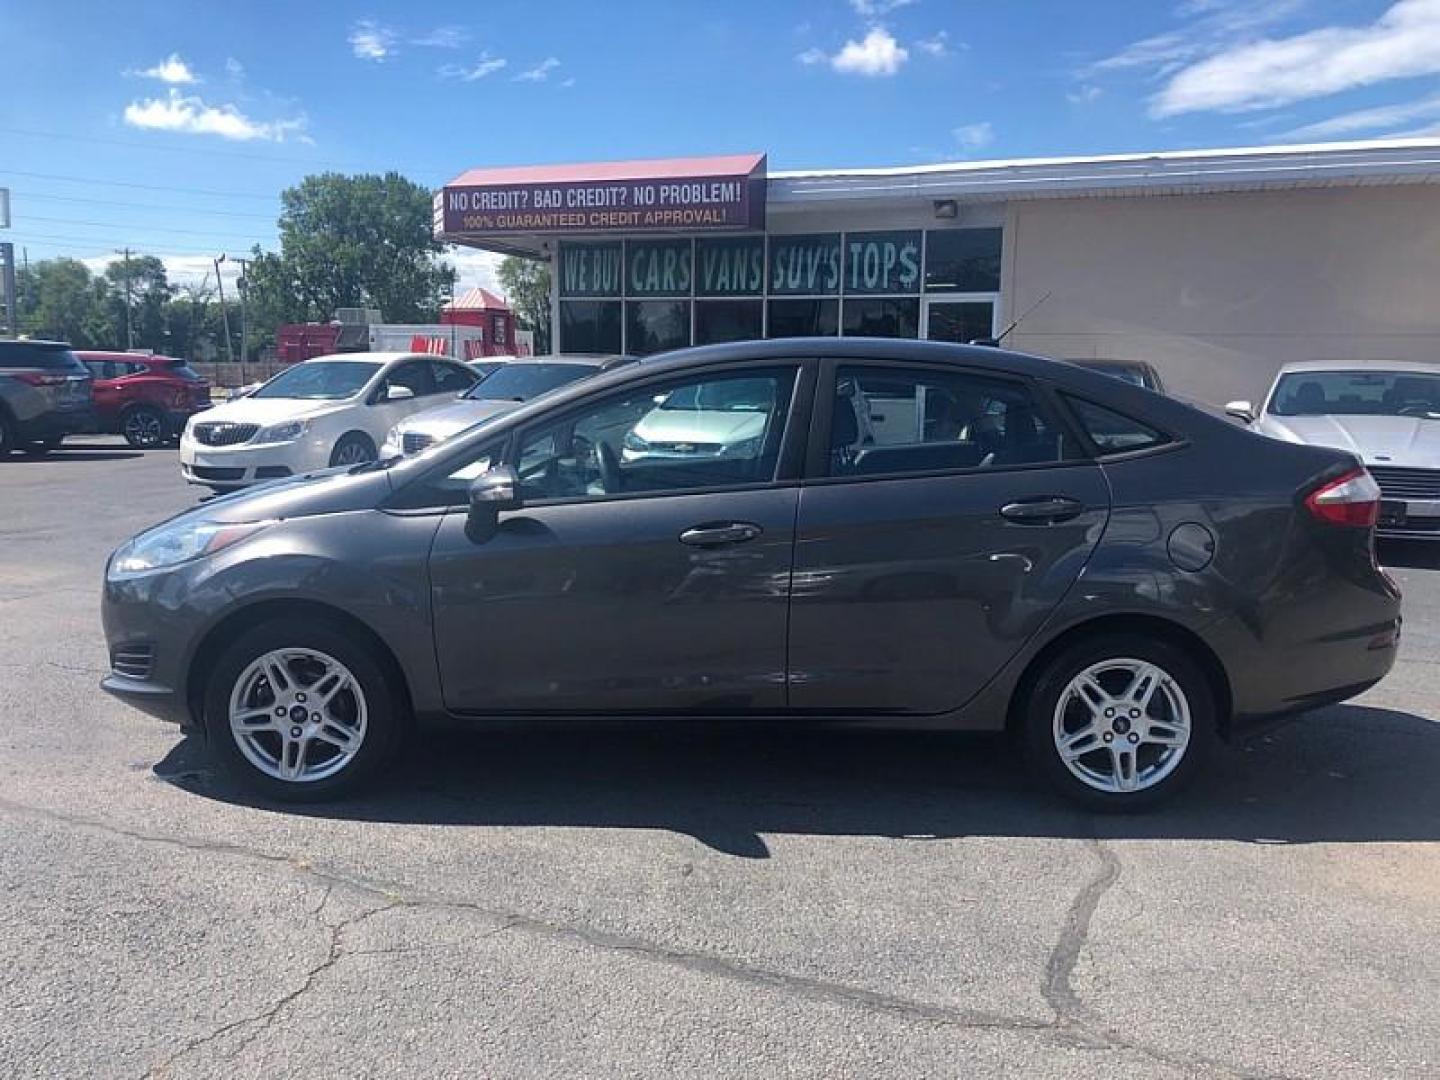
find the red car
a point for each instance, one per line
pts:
(145, 398)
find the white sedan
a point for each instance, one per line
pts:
(1387, 415)
(332, 410)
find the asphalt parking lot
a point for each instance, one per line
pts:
(706, 902)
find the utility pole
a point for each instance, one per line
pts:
(242, 286)
(129, 329)
(224, 315)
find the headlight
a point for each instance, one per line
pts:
(171, 545)
(289, 431)
(631, 441)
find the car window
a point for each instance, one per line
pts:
(700, 432)
(524, 381)
(1357, 393)
(1113, 432)
(414, 374)
(450, 378)
(916, 420)
(50, 357)
(328, 380)
(101, 369)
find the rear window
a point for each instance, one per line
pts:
(183, 370)
(52, 358)
(1114, 432)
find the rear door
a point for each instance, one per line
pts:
(946, 513)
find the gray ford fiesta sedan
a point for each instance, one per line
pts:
(897, 533)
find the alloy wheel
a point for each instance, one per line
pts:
(298, 715)
(144, 428)
(1122, 725)
(353, 453)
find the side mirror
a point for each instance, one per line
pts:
(491, 493)
(1243, 411)
(394, 392)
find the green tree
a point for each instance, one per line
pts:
(356, 241)
(61, 299)
(526, 284)
(140, 285)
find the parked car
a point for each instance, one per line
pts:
(1387, 415)
(925, 578)
(145, 398)
(502, 391)
(1132, 371)
(45, 395)
(332, 410)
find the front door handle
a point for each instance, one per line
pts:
(1042, 511)
(710, 535)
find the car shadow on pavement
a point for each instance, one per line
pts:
(1409, 554)
(60, 457)
(1348, 773)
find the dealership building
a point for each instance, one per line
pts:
(1214, 266)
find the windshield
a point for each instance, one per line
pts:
(728, 395)
(1357, 393)
(1120, 371)
(521, 382)
(331, 380)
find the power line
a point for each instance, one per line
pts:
(17, 193)
(186, 150)
(94, 246)
(145, 228)
(94, 181)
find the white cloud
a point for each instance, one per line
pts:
(540, 72)
(486, 65)
(974, 136)
(474, 268)
(1210, 26)
(568, 83)
(369, 40)
(179, 269)
(1404, 42)
(813, 55)
(172, 70)
(873, 9)
(1086, 94)
(234, 68)
(878, 54)
(192, 116)
(1389, 118)
(442, 37)
(936, 45)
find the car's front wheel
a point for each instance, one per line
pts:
(144, 427)
(300, 711)
(353, 449)
(1119, 721)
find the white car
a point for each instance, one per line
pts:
(332, 410)
(1388, 415)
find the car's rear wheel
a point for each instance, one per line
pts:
(353, 449)
(1119, 721)
(299, 711)
(7, 433)
(144, 427)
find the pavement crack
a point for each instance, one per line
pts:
(1058, 989)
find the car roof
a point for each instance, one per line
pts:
(603, 361)
(855, 348)
(30, 342)
(1103, 362)
(138, 358)
(1361, 365)
(372, 357)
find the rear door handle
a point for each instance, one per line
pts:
(710, 535)
(1042, 511)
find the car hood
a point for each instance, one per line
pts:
(270, 410)
(1382, 440)
(445, 420)
(699, 426)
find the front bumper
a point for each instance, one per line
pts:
(238, 466)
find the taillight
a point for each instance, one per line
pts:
(34, 378)
(1352, 499)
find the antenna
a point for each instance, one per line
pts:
(994, 342)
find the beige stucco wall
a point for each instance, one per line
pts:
(1218, 291)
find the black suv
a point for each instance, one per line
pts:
(45, 394)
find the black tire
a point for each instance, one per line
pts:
(1038, 719)
(144, 427)
(386, 709)
(40, 449)
(7, 433)
(354, 442)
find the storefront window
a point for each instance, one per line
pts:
(589, 326)
(805, 265)
(653, 326)
(963, 260)
(590, 269)
(959, 320)
(891, 317)
(804, 318)
(658, 267)
(730, 267)
(727, 320)
(882, 262)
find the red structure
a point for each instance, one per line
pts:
(295, 342)
(482, 308)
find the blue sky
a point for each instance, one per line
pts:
(172, 127)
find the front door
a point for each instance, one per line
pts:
(951, 517)
(960, 320)
(649, 570)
